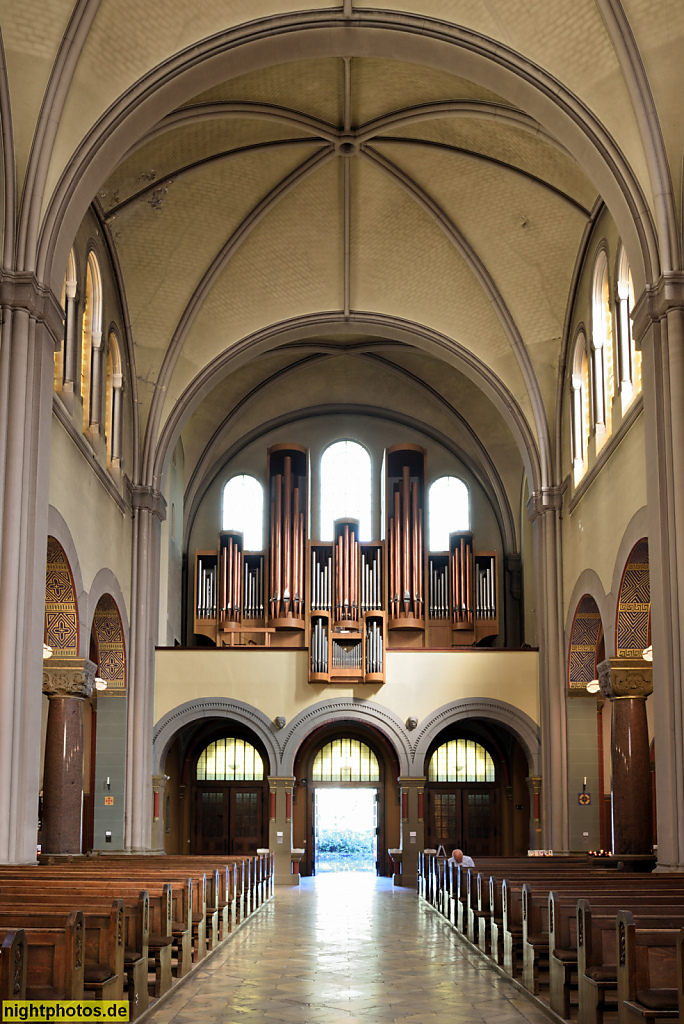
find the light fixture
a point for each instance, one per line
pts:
(100, 683)
(594, 686)
(47, 652)
(648, 653)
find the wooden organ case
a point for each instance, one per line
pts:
(347, 600)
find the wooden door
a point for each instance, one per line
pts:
(464, 816)
(444, 819)
(246, 814)
(211, 822)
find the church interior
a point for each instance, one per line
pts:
(339, 357)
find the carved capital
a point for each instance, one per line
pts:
(159, 783)
(543, 501)
(69, 677)
(412, 782)
(656, 302)
(285, 782)
(534, 783)
(21, 290)
(146, 499)
(625, 677)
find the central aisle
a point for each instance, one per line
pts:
(344, 948)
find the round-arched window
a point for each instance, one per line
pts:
(230, 760)
(345, 760)
(243, 510)
(461, 761)
(449, 510)
(346, 488)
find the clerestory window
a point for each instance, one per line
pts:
(449, 510)
(243, 510)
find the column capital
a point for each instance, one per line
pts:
(24, 291)
(625, 677)
(656, 302)
(546, 499)
(69, 677)
(159, 783)
(412, 781)
(280, 782)
(147, 499)
(534, 783)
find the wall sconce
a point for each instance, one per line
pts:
(593, 686)
(47, 652)
(100, 683)
(648, 653)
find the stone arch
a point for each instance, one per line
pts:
(107, 631)
(525, 730)
(169, 725)
(349, 710)
(59, 531)
(633, 619)
(586, 635)
(106, 583)
(62, 631)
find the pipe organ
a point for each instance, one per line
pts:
(347, 600)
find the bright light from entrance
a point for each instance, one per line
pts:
(346, 823)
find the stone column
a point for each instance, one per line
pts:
(627, 682)
(158, 787)
(149, 509)
(659, 331)
(544, 511)
(534, 784)
(513, 606)
(412, 826)
(67, 681)
(280, 828)
(31, 330)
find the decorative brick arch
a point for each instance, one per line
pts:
(633, 621)
(61, 610)
(111, 647)
(585, 638)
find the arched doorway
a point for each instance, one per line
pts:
(349, 758)
(476, 791)
(225, 771)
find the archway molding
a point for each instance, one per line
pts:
(589, 584)
(183, 715)
(524, 728)
(106, 583)
(59, 529)
(346, 710)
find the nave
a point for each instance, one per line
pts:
(346, 948)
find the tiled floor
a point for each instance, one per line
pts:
(341, 949)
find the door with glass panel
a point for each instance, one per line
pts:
(463, 807)
(228, 799)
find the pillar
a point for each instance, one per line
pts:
(31, 329)
(544, 509)
(627, 682)
(67, 681)
(659, 332)
(149, 509)
(412, 826)
(158, 789)
(280, 828)
(534, 784)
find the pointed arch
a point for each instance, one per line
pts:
(61, 611)
(633, 621)
(107, 632)
(587, 645)
(91, 341)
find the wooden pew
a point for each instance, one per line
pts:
(647, 983)
(13, 957)
(55, 954)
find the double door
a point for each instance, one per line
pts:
(228, 819)
(464, 816)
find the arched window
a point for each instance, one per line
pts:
(448, 507)
(346, 488)
(461, 761)
(629, 358)
(602, 349)
(243, 510)
(345, 760)
(230, 760)
(91, 344)
(65, 357)
(113, 403)
(579, 406)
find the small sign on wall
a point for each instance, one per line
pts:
(584, 799)
(109, 801)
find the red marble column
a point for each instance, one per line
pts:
(627, 682)
(67, 682)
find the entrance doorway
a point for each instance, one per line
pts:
(228, 820)
(345, 830)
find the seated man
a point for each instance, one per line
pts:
(461, 858)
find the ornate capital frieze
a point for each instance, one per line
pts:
(412, 781)
(146, 499)
(625, 677)
(159, 783)
(24, 291)
(69, 677)
(285, 782)
(656, 302)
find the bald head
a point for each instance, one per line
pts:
(457, 855)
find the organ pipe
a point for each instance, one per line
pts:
(405, 538)
(287, 544)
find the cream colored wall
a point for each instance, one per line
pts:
(100, 531)
(171, 554)
(275, 681)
